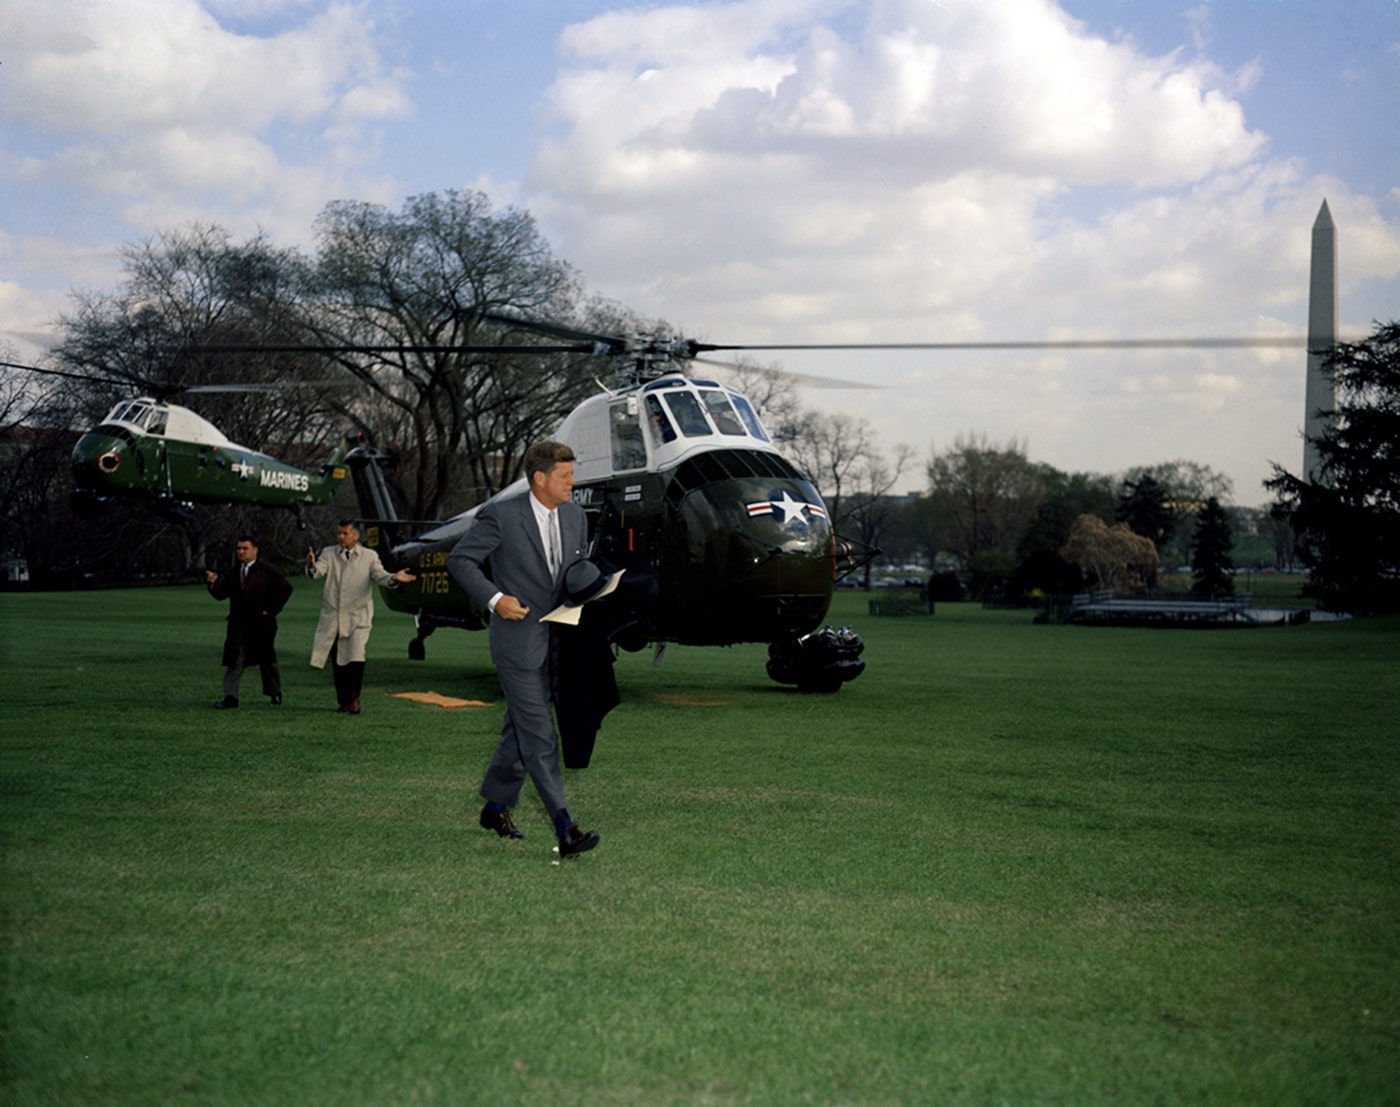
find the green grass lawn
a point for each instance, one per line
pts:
(1010, 864)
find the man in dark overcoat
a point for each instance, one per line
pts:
(256, 591)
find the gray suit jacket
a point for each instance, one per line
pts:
(504, 533)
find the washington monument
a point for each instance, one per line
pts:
(1320, 395)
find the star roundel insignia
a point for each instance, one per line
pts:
(799, 512)
(243, 469)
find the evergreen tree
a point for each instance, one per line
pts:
(1211, 564)
(1347, 522)
(1143, 507)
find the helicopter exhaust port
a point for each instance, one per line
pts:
(818, 662)
(110, 462)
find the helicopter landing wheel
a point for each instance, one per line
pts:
(417, 646)
(820, 662)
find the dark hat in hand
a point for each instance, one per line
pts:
(582, 582)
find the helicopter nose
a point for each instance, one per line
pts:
(770, 536)
(770, 544)
(98, 458)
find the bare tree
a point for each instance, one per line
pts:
(871, 509)
(982, 497)
(429, 278)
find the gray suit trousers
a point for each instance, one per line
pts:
(523, 749)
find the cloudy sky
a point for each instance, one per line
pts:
(780, 171)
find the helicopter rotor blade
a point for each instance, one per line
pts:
(1223, 342)
(553, 330)
(405, 348)
(56, 372)
(269, 386)
(144, 384)
(162, 390)
(810, 379)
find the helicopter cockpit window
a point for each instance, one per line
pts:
(750, 418)
(688, 414)
(129, 412)
(717, 404)
(155, 423)
(659, 423)
(628, 449)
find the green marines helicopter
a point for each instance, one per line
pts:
(149, 450)
(165, 454)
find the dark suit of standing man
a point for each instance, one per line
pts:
(516, 533)
(256, 592)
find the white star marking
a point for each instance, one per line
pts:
(243, 469)
(790, 508)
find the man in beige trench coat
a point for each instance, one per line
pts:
(347, 609)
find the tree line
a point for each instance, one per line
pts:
(366, 331)
(1004, 525)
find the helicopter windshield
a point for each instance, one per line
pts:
(717, 404)
(689, 415)
(138, 413)
(659, 423)
(665, 421)
(128, 411)
(145, 414)
(750, 417)
(168, 420)
(697, 409)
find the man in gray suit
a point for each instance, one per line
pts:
(530, 539)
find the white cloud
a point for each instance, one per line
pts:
(920, 155)
(158, 113)
(950, 171)
(158, 102)
(157, 63)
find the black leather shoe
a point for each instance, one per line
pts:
(277, 700)
(501, 823)
(226, 702)
(574, 841)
